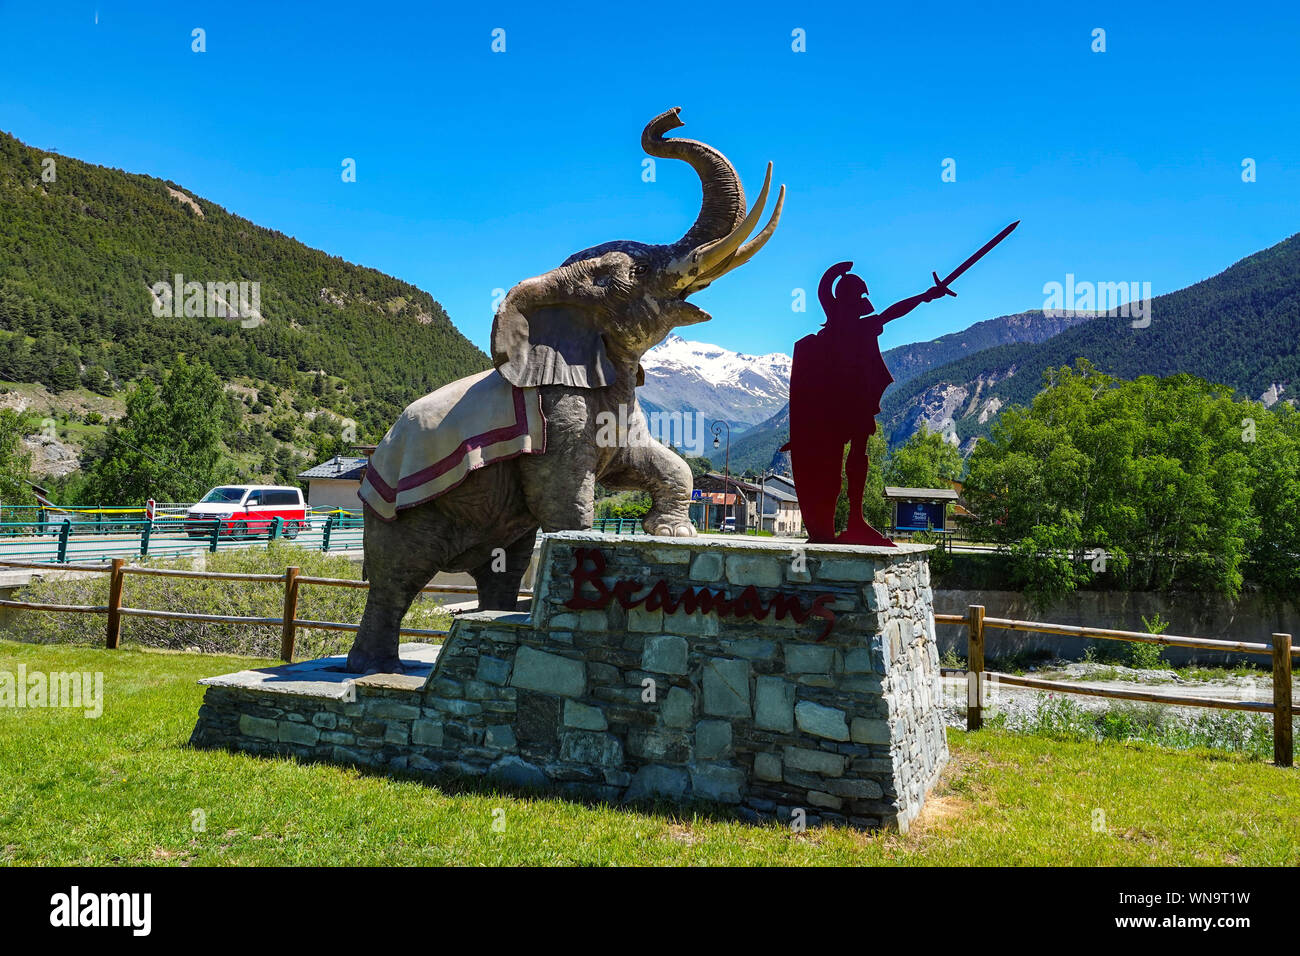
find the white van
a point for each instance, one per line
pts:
(249, 511)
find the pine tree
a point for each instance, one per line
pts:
(167, 446)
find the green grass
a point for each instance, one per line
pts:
(122, 790)
(1209, 673)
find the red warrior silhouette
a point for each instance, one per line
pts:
(836, 383)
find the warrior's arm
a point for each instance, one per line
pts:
(904, 306)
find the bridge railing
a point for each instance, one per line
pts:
(98, 539)
(618, 525)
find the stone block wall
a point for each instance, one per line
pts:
(632, 704)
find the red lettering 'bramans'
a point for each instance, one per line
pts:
(589, 567)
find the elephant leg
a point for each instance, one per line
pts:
(397, 571)
(498, 585)
(560, 486)
(650, 466)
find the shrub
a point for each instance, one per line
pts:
(1149, 656)
(1179, 728)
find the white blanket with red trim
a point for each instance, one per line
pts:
(449, 433)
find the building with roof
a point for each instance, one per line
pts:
(335, 483)
(920, 509)
(717, 496)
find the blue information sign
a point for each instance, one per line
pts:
(919, 515)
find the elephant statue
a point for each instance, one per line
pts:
(469, 474)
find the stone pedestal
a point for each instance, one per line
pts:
(763, 673)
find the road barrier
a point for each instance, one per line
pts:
(165, 535)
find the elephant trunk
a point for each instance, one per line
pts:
(723, 205)
(715, 244)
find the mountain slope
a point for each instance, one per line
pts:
(754, 450)
(78, 256)
(716, 382)
(905, 362)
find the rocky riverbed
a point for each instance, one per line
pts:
(1019, 707)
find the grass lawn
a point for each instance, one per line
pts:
(124, 788)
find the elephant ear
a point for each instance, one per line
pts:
(548, 344)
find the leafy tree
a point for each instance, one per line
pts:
(624, 504)
(699, 464)
(15, 464)
(1154, 482)
(925, 460)
(1275, 496)
(167, 446)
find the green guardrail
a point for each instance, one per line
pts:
(618, 525)
(70, 541)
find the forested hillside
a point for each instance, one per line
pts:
(79, 252)
(905, 362)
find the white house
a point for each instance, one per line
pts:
(334, 483)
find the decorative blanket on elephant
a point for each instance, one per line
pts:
(447, 434)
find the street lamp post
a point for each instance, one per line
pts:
(726, 472)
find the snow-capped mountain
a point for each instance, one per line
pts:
(694, 376)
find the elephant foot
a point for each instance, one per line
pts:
(361, 662)
(668, 526)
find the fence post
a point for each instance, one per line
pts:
(276, 528)
(325, 536)
(1282, 712)
(287, 630)
(144, 537)
(64, 532)
(216, 535)
(115, 604)
(975, 667)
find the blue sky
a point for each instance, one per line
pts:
(477, 169)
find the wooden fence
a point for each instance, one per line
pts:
(288, 622)
(1280, 649)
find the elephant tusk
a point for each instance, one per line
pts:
(747, 251)
(712, 254)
